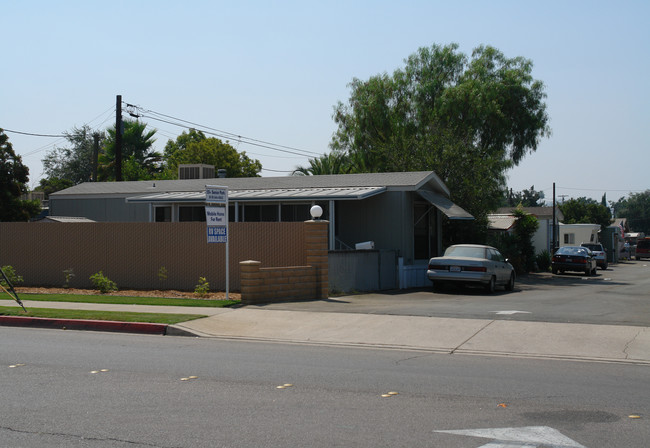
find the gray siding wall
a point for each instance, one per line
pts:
(100, 209)
(362, 270)
(386, 219)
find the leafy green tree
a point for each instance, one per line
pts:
(335, 162)
(467, 119)
(51, 185)
(74, 162)
(636, 208)
(13, 179)
(195, 147)
(172, 147)
(518, 247)
(526, 197)
(585, 211)
(139, 160)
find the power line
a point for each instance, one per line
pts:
(277, 171)
(218, 132)
(34, 135)
(229, 136)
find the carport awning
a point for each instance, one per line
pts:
(443, 204)
(266, 195)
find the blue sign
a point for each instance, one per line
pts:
(217, 234)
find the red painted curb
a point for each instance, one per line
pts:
(88, 325)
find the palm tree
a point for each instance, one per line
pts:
(335, 162)
(139, 161)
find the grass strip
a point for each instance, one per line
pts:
(119, 316)
(127, 300)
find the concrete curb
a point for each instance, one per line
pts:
(86, 325)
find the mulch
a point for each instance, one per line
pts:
(169, 293)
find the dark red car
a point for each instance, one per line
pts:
(643, 249)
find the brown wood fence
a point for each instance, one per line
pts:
(131, 254)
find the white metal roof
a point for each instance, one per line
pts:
(283, 194)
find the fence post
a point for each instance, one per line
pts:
(316, 243)
(250, 281)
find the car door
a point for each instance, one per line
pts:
(499, 265)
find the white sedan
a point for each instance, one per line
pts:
(472, 264)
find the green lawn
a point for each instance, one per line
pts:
(124, 300)
(156, 318)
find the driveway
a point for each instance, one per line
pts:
(616, 296)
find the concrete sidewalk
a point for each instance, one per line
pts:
(613, 343)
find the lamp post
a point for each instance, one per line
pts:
(316, 212)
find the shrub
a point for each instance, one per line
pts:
(12, 276)
(102, 283)
(162, 274)
(69, 275)
(543, 260)
(202, 288)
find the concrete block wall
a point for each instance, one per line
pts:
(276, 284)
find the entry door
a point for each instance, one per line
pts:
(422, 235)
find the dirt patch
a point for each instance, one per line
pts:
(217, 295)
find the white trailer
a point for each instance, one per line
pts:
(576, 234)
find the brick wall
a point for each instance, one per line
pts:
(131, 254)
(260, 285)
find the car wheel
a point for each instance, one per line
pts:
(491, 286)
(437, 286)
(605, 267)
(511, 284)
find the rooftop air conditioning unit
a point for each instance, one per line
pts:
(197, 171)
(366, 245)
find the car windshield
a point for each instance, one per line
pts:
(572, 251)
(465, 251)
(597, 247)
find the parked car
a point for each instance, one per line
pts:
(599, 254)
(573, 258)
(472, 264)
(643, 249)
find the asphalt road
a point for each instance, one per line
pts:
(78, 389)
(616, 296)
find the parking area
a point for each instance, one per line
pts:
(616, 296)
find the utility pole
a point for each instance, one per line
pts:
(554, 218)
(118, 139)
(95, 154)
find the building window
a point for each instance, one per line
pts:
(295, 212)
(164, 214)
(569, 238)
(193, 213)
(259, 213)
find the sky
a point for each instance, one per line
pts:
(272, 72)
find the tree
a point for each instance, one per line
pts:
(518, 246)
(51, 185)
(527, 198)
(139, 160)
(636, 208)
(335, 162)
(13, 179)
(585, 211)
(73, 163)
(195, 147)
(467, 119)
